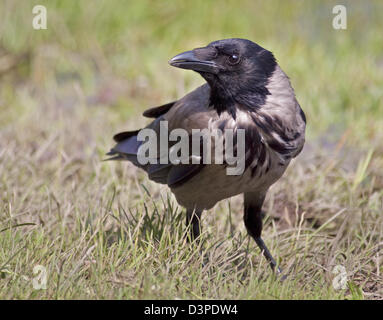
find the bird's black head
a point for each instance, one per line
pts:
(237, 71)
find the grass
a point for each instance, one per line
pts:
(102, 230)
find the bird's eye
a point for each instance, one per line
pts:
(233, 59)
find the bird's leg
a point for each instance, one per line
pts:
(193, 221)
(253, 223)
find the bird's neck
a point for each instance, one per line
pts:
(229, 99)
(221, 100)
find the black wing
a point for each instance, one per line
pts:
(172, 174)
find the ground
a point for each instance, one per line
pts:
(102, 230)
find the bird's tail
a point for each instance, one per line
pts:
(126, 147)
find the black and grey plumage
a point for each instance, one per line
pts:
(245, 89)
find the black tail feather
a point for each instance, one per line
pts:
(124, 135)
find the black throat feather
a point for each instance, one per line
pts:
(251, 97)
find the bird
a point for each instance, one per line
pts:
(247, 90)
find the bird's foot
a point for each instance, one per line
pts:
(261, 244)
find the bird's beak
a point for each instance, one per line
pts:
(188, 60)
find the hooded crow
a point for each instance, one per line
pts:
(245, 89)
